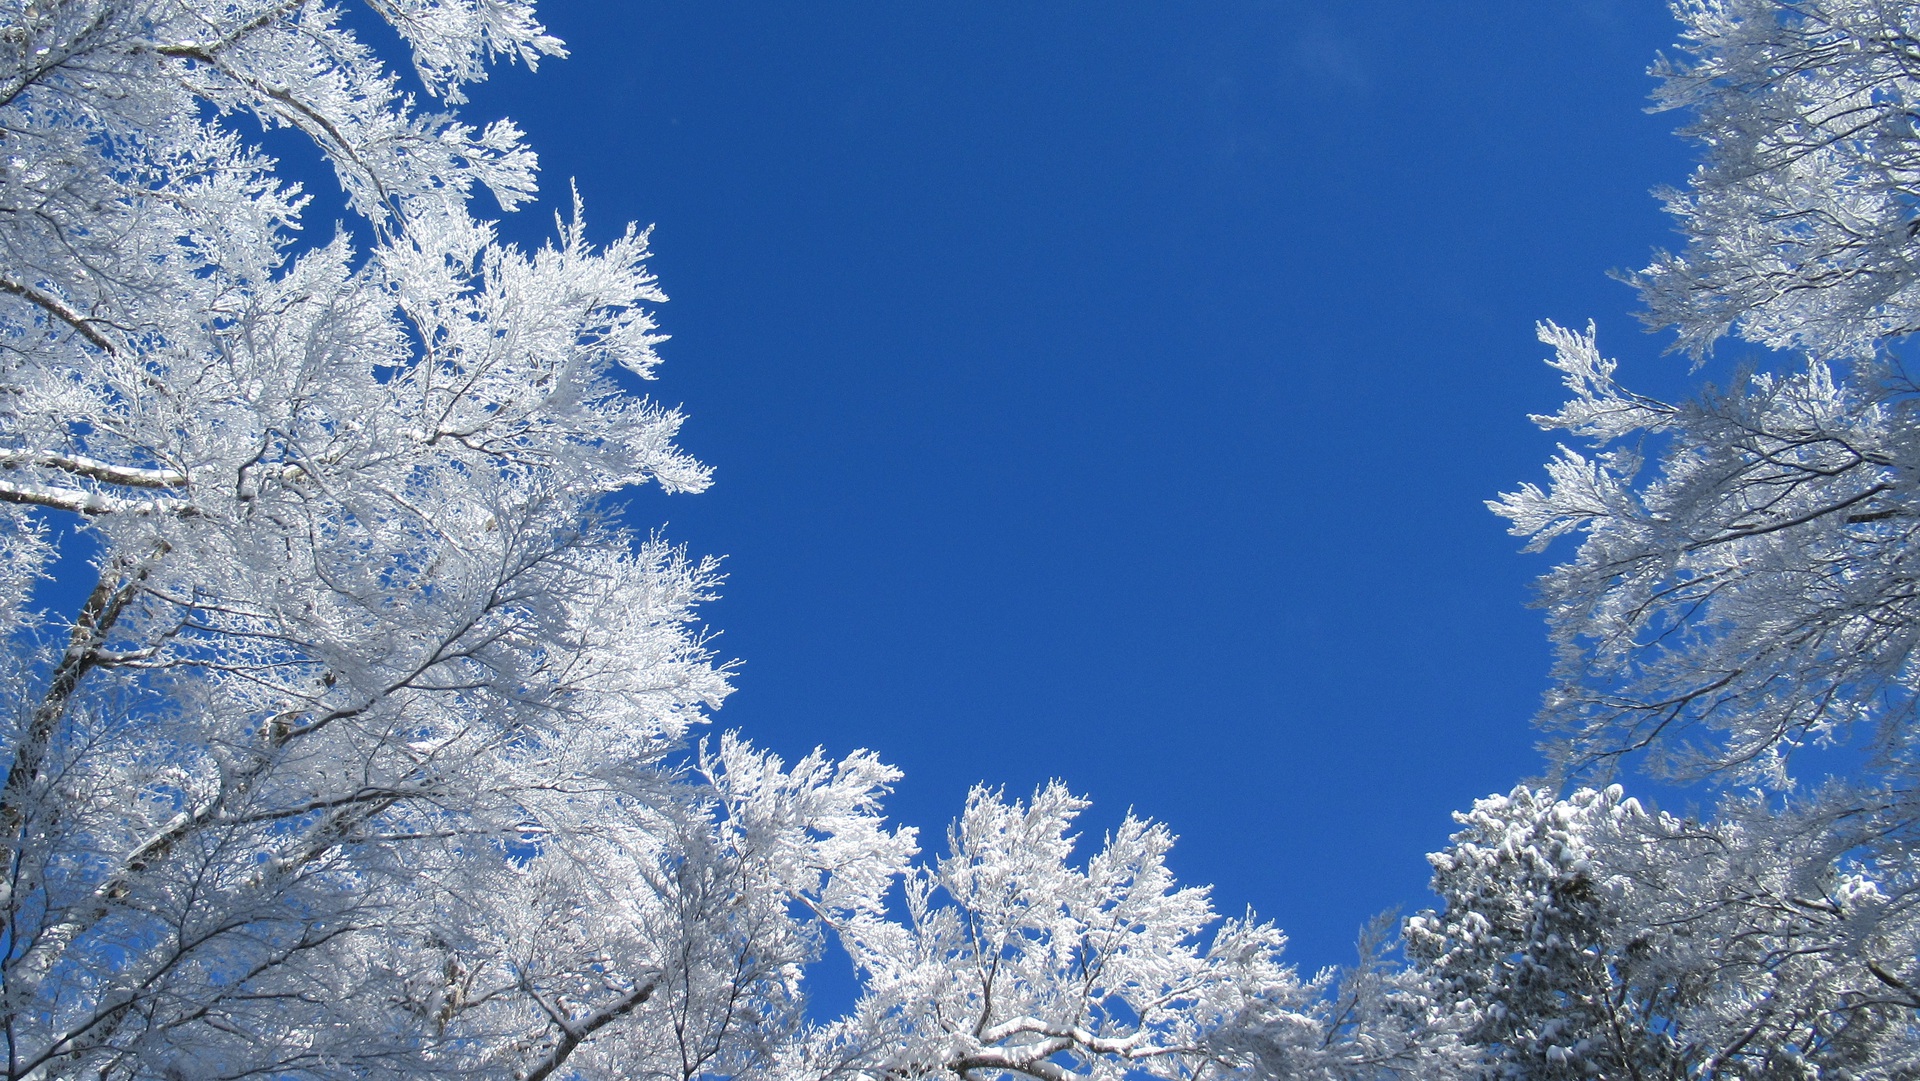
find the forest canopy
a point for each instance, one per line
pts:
(376, 744)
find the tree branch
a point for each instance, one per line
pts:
(102, 610)
(95, 469)
(57, 308)
(573, 1033)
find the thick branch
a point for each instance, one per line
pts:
(995, 1059)
(90, 504)
(95, 469)
(67, 499)
(1100, 1045)
(573, 1033)
(102, 610)
(1894, 982)
(57, 308)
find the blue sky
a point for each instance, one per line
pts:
(1109, 390)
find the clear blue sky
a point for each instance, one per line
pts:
(1108, 390)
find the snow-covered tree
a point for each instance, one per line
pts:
(1743, 584)
(367, 750)
(1741, 595)
(1749, 593)
(1587, 937)
(1014, 963)
(1802, 221)
(363, 753)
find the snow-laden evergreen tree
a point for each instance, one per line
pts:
(1587, 937)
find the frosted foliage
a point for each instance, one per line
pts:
(366, 750)
(1742, 587)
(1015, 962)
(1747, 594)
(1587, 937)
(669, 939)
(1803, 222)
(365, 753)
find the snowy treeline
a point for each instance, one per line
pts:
(373, 748)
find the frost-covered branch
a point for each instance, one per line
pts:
(1015, 961)
(572, 1031)
(53, 306)
(93, 469)
(1746, 597)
